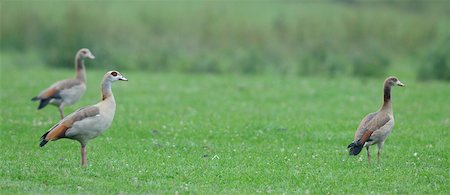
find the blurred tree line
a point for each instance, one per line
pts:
(330, 38)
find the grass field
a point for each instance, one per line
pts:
(226, 134)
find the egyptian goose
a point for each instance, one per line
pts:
(88, 122)
(375, 127)
(69, 91)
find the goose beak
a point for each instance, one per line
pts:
(400, 84)
(91, 57)
(123, 79)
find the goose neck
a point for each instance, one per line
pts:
(387, 104)
(79, 67)
(106, 90)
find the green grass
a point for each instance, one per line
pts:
(226, 134)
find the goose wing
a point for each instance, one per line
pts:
(54, 90)
(371, 123)
(59, 130)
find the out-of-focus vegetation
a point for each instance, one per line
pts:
(330, 38)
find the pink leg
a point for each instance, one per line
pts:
(379, 154)
(368, 154)
(83, 156)
(61, 110)
(380, 147)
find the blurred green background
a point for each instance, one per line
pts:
(410, 38)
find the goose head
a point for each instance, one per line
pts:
(115, 76)
(393, 81)
(85, 53)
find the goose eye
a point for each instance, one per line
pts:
(114, 73)
(84, 52)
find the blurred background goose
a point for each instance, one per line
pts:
(88, 122)
(69, 91)
(375, 127)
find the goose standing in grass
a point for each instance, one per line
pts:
(375, 127)
(69, 91)
(88, 122)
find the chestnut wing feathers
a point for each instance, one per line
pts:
(54, 90)
(59, 130)
(370, 124)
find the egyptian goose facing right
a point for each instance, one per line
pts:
(88, 122)
(69, 91)
(375, 127)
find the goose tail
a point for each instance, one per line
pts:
(43, 141)
(355, 148)
(43, 103)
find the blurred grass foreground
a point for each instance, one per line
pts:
(326, 38)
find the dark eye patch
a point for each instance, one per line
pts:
(84, 52)
(114, 73)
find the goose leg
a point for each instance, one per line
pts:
(380, 147)
(379, 153)
(83, 156)
(61, 110)
(368, 154)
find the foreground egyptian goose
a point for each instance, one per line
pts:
(69, 91)
(375, 127)
(88, 122)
